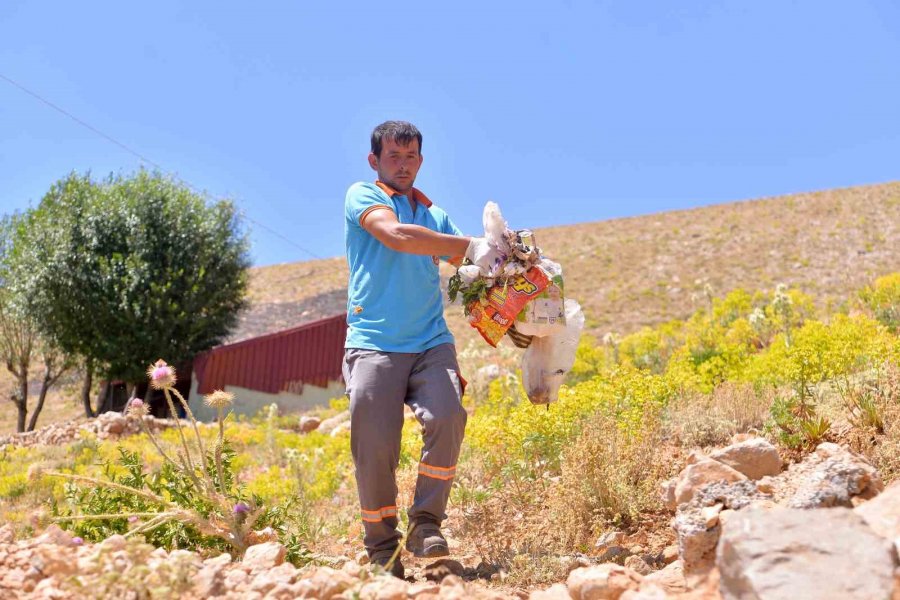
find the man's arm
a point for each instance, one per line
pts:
(412, 239)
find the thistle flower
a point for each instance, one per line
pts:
(241, 508)
(162, 376)
(132, 519)
(137, 409)
(77, 541)
(219, 399)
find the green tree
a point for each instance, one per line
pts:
(133, 268)
(20, 339)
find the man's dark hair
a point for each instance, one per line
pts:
(400, 131)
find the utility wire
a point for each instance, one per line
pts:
(143, 158)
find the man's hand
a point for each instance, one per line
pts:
(485, 256)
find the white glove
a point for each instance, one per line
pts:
(485, 256)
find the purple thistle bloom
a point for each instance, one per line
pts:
(132, 519)
(77, 541)
(241, 508)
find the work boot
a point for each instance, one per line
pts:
(383, 557)
(426, 540)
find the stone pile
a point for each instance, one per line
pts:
(57, 566)
(824, 528)
(108, 425)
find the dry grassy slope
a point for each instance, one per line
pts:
(644, 270)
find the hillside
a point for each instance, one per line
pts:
(644, 270)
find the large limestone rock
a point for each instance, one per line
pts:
(602, 582)
(788, 554)
(703, 471)
(754, 457)
(832, 476)
(882, 513)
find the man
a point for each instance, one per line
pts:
(399, 350)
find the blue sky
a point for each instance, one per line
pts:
(562, 112)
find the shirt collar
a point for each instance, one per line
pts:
(417, 194)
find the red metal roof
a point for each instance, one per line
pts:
(286, 360)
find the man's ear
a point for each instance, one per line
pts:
(421, 158)
(373, 161)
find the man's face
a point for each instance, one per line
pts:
(397, 166)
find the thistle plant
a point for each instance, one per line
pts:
(195, 489)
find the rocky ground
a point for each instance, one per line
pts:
(746, 528)
(108, 425)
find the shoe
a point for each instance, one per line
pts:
(383, 557)
(426, 541)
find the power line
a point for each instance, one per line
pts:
(143, 158)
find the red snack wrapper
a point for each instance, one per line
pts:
(504, 302)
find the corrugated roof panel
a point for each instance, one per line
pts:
(311, 354)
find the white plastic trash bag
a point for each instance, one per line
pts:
(548, 359)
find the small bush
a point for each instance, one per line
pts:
(608, 478)
(701, 420)
(883, 299)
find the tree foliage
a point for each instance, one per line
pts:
(20, 338)
(132, 268)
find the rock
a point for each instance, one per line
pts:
(340, 429)
(710, 515)
(646, 592)
(329, 582)
(328, 425)
(114, 542)
(670, 579)
(264, 556)
(610, 538)
(602, 582)
(882, 513)
(210, 581)
(222, 559)
(792, 553)
(638, 565)
(698, 533)
(755, 458)
(700, 473)
(766, 485)
(670, 554)
(667, 494)
(612, 553)
(437, 570)
(362, 557)
(308, 423)
(115, 423)
(556, 591)
(832, 476)
(422, 589)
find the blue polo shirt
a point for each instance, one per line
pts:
(394, 299)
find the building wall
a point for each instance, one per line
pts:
(249, 402)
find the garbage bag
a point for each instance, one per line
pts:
(548, 359)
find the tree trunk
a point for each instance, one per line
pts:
(45, 387)
(86, 390)
(104, 402)
(23, 413)
(22, 400)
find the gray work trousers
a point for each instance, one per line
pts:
(379, 384)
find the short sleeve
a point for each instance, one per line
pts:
(362, 199)
(449, 227)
